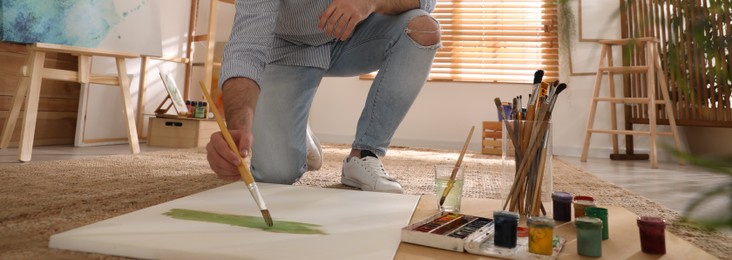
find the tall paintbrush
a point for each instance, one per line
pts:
(451, 182)
(246, 175)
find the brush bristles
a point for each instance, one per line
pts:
(538, 75)
(267, 217)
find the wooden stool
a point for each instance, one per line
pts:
(29, 87)
(651, 69)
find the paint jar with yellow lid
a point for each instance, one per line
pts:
(541, 235)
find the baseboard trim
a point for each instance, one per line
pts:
(475, 145)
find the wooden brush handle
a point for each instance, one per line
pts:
(246, 175)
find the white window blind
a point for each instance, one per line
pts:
(502, 41)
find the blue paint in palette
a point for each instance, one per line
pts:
(470, 227)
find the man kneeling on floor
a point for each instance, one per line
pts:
(277, 55)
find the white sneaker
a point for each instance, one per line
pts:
(315, 152)
(368, 173)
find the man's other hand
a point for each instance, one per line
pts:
(341, 17)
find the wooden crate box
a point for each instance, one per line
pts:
(180, 132)
(491, 142)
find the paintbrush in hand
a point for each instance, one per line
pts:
(451, 182)
(246, 175)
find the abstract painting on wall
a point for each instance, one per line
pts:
(121, 25)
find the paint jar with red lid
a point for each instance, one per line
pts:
(652, 235)
(562, 205)
(581, 203)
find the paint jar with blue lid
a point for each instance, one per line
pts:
(589, 236)
(562, 205)
(506, 228)
(600, 213)
(541, 235)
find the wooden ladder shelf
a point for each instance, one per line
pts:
(653, 71)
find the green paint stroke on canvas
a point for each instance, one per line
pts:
(246, 221)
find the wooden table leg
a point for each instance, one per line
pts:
(14, 112)
(31, 106)
(141, 97)
(124, 86)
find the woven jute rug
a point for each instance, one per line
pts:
(40, 199)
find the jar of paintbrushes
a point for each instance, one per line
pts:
(527, 148)
(527, 167)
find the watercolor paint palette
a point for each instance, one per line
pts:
(471, 234)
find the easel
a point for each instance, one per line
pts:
(208, 39)
(164, 110)
(29, 87)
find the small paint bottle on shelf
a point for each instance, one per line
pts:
(506, 228)
(541, 235)
(652, 235)
(600, 213)
(562, 205)
(204, 113)
(589, 236)
(200, 110)
(580, 203)
(189, 106)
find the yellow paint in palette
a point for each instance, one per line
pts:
(541, 235)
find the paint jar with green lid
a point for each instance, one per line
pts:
(506, 228)
(541, 235)
(600, 213)
(589, 236)
(652, 235)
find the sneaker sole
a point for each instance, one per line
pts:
(314, 154)
(352, 183)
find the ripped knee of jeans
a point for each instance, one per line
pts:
(424, 30)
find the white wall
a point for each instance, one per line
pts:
(174, 29)
(443, 113)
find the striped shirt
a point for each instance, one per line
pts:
(282, 32)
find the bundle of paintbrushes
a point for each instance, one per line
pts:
(529, 133)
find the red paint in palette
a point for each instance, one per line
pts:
(442, 224)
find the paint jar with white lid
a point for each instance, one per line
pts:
(589, 236)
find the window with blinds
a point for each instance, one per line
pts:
(503, 41)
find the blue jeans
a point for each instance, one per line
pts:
(279, 148)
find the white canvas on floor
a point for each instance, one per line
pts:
(359, 225)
